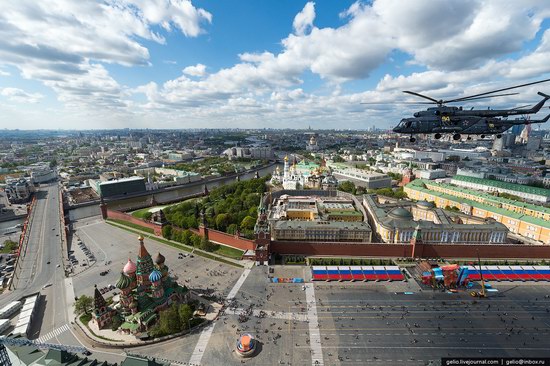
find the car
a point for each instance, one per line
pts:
(53, 228)
(48, 262)
(86, 353)
(83, 264)
(46, 285)
(59, 265)
(56, 234)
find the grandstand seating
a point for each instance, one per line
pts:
(510, 273)
(357, 273)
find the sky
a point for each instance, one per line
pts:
(178, 64)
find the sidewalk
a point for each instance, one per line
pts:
(202, 253)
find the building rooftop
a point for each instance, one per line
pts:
(121, 180)
(504, 185)
(493, 200)
(300, 224)
(419, 185)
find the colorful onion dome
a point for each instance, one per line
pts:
(159, 259)
(130, 267)
(123, 282)
(155, 276)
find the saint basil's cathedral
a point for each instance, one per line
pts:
(146, 288)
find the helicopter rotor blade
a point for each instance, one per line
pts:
(495, 91)
(388, 102)
(474, 98)
(422, 96)
(520, 107)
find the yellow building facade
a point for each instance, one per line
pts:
(522, 219)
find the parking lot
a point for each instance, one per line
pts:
(7, 263)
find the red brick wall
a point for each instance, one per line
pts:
(230, 240)
(405, 250)
(117, 215)
(341, 249)
(222, 238)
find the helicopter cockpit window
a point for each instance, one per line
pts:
(408, 124)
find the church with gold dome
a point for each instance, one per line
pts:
(146, 288)
(302, 175)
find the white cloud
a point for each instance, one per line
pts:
(303, 21)
(4, 73)
(63, 42)
(466, 46)
(196, 70)
(20, 96)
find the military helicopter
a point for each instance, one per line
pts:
(457, 120)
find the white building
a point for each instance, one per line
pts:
(264, 152)
(430, 174)
(312, 144)
(533, 194)
(368, 180)
(290, 179)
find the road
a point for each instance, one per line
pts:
(52, 320)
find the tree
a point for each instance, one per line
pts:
(167, 232)
(185, 313)
(207, 245)
(347, 186)
(169, 322)
(196, 240)
(232, 229)
(148, 216)
(248, 223)
(83, 304)
(222, 221)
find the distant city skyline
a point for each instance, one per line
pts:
(177, 64)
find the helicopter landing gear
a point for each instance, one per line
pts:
(456, 136)
(482, 136)
(499, 136)
(412, 139)
(437, 136)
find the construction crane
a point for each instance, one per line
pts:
(27, 342)
(481, 293)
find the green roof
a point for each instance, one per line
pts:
(129, 326)
(488, 198)
(504, 185)
(418, 185)
(344, 213)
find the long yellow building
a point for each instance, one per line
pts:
(524, 219)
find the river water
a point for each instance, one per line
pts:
(185, 191)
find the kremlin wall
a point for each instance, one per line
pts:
(318, 242)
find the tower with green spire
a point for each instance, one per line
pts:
(144, 268)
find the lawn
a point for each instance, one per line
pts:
(229, 252)
(140, 214)
(132, 225)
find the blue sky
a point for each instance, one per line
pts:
(278, 63)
